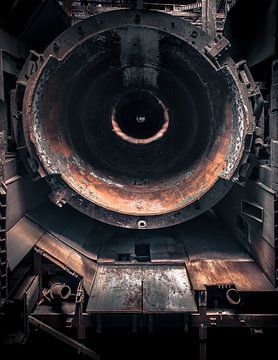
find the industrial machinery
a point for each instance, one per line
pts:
(139, 155)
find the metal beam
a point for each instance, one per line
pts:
(60, 336)
(209, 17)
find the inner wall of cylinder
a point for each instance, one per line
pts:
(117, 74)
(139, 117)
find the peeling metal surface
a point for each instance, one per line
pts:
(245, 275)
(21, 239)
(132, 44)
(141, 289)
(68, 259)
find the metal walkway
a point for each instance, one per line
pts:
(141, 289)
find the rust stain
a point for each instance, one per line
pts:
(245, 275)
(162, 198)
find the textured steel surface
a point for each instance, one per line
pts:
(71, 227)
(32, 294)
(152, 185)
(141, 289)
(209, 17)
(168, 290)
(22, 237)
(67, 258)
(202, 238)
(22, 195)
(245, 275)
(167, 249)
(254, 227)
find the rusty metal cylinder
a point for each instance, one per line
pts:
(137, 118)
(233, 297)
(59, 291)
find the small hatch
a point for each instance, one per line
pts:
(142, 252)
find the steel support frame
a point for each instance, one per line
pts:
(210, 320)
(81, 349)
(204, 321)
(209, 17)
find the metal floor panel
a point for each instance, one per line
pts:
(141, 289)
(245, 275)
(212, 256)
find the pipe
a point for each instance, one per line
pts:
(233, 296)
(59, 291)
(82, 349)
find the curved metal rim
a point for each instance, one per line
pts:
(199, 43)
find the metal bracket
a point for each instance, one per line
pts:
(217, 48)
(79, 301)
(247, 79)
(30, 298)
(35, 60)
(212, 321)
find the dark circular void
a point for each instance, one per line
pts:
(139, 114)
(170, 92)
(139, 117)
